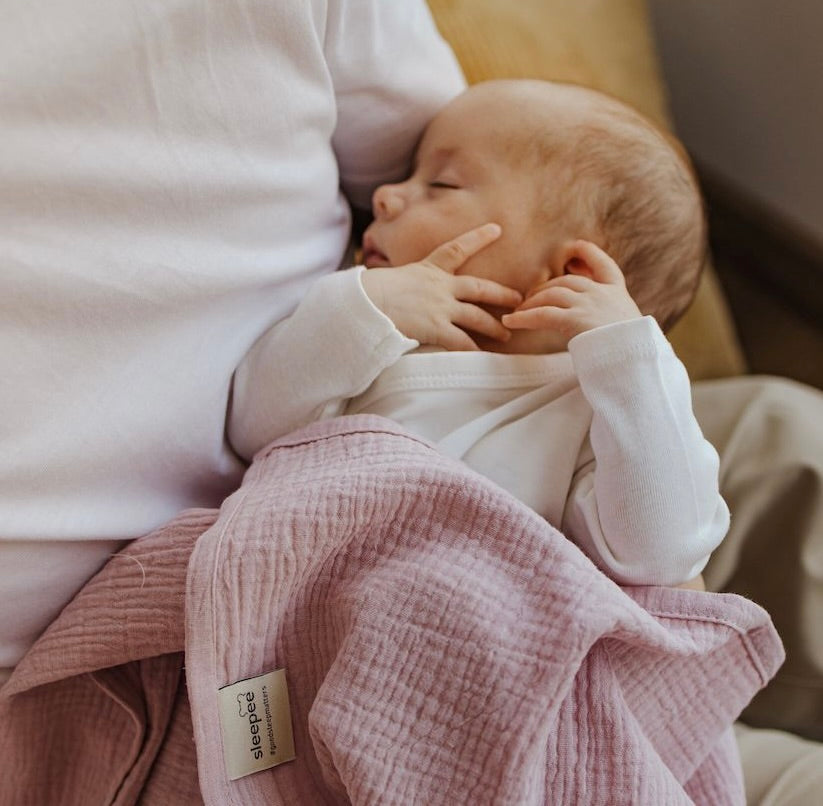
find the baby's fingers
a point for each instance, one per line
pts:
(485, 292)
(544, 318)
(477, 320)
(451, 255)
(573, 281)
(560, 296)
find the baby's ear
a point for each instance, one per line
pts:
(573, 263)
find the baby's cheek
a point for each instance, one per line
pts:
(418, 242)
(488, 264)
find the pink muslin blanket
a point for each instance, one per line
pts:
(442, 645)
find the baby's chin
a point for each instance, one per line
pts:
(524, 342)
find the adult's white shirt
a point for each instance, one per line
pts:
(169, 188)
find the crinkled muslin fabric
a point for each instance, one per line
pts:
(442, 644)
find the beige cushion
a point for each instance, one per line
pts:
(605, 44)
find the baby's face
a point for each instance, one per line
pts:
(463, 177)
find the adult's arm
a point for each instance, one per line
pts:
(391, 72)
(648, 505)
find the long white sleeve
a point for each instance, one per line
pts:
(306, 367)
(649, 505)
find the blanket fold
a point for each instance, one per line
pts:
(442, 644)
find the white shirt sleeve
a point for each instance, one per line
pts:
(308, 365)
(391, 71)
(648, 507)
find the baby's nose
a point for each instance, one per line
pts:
(387, 202)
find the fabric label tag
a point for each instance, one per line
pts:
(256, 721)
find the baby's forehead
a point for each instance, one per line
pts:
(517, 117)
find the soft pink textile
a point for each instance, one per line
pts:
(96, 712)
(442, 643)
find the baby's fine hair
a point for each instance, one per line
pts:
(636, 184)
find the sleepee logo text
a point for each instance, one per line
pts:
(256, 722)
(247, 707)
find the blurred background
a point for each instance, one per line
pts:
(745, 79)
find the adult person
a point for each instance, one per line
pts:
(170, 183)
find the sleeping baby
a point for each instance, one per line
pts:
(510, 308)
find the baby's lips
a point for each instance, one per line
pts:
(372, 255)
(376, 261)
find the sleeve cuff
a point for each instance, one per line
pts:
(370, 322)
(358, 338)
(610, 346)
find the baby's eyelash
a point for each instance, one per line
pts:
(442, 185)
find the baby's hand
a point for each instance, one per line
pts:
(592, 294)
(429, 303)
